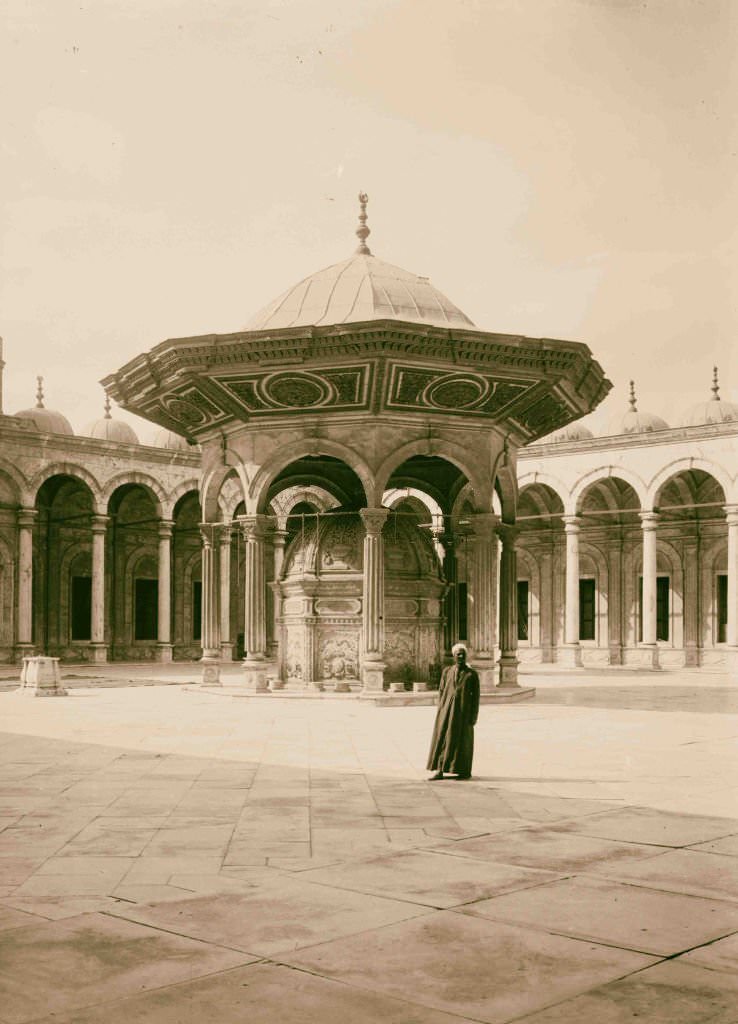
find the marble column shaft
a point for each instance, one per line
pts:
(508, 606)
(484, 583)
(254, 530)
(224, 572)
(572, 525)
(26, 519)
(732, 626)
(97, 624)
(164, 632)
(649, 521)
(373, 584)
(209, 613)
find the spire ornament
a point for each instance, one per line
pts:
(632, 398)
(363, 232)
(715, 386)
(107, 406)
(39, 392)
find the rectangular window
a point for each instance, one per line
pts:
(522, 609)
(146, 612)
(462, 609)
(722, 608)
(81, 608)
(197, 610)
(586, 609)
(663, 588)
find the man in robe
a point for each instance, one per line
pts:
(452, 744)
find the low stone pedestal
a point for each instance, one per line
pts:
(255, 676)
(420, 687)
(164, 653)
(41, 677)
(210, 672)
(372, 678)
(647, 656)
(569, 656)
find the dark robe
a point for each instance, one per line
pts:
(452, 744)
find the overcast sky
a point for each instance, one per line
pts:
(559, 168)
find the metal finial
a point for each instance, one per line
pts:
(40, 393)
(715, 385)
(363, 232)
(632, 398)
(107, 406)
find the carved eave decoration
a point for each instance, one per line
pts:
(527, 387)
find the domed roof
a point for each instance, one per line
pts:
(712, 411)
(47, 420)
(634, 422)
(164, 438)
(358, 289)
(108, 429)
(571, 432)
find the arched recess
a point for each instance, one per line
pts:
(13, 486)
(65, 505)
(715, 594)
(187, 487)
(211, 485)
(186, 574)
(619, 477)
(7, 598)
(132, 536)
(326, 472)
(607, 500)
(64, 470)
(285, 502)
(230, 497)
(143, 480)
(506, 487)
(309, 452)
(529, 603)
(696, 469)
(593, 565)
(668, 564)
(393, 472)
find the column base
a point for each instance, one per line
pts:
(98, 653)
(615, 656)
(226, 651)
(23, 651)
(508, 672)
(372, 677)
(485, 669)
(164, 653)
(570, 656)
(255, 675)
(210, 671)
(647, 656)
(692, 657)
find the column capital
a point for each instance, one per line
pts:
(27, 516)
(508, 533)
(165, 528)
(208, 533)
(254, 527)
(279, 537)
(731, 514)
(649, 520)
(373, 520)
(225, 532)
(572, 524)
(483, 523)
(99, 523)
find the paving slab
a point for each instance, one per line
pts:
(628, 916)
(54, 908)
(669, 993)
(60, 966)
(548, 849)
(283, 915)
(683, 870)
(661, 828)
(259, 994)
(721, 955)
(480, 969)
(727, 846)
(431, 879)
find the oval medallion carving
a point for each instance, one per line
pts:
(456, 392)
(295, 390)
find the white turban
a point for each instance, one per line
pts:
(459, 647)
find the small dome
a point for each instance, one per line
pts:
(634, 422)
(164, 438)
(358, 289)
(712, 411)
(571, 432)
(108, 429)
(46, 420)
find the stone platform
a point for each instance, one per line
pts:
(168, 856)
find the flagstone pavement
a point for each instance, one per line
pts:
(174, 855)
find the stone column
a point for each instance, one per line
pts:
(224, 572)
(209, 613)
(648, 646)
(451, 603)
(571, 654)
(254, 634)
(26, 519)
(732, 628)
(484, 592)
(508, 607)
(372, 605)
(279, 543)
(546, 604)
(692, 602)
(615, 620)
(98, 647)
(164, 629)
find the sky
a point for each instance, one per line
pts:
(558, 168)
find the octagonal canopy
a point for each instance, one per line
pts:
(360, 288)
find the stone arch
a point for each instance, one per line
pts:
(718, 472)
(70, 469)
(179, 491)
(448, 450)
(15, 477)
(140, 479)
(506, 487)
(419, 499)
(211, 486)
(283, 503)
(289, 453)
(584, 482)
(553, 483)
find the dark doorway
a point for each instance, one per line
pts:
(586, 609)
(82, 608)
(146, 613)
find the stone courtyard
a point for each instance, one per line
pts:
(170, 855)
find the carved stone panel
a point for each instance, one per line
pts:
(338, 654)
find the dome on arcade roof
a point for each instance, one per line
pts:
(634, 422)
(108, 429)
(712, 411)
(46, 420)
(575, 431)
(164, 438)
(358, 289)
